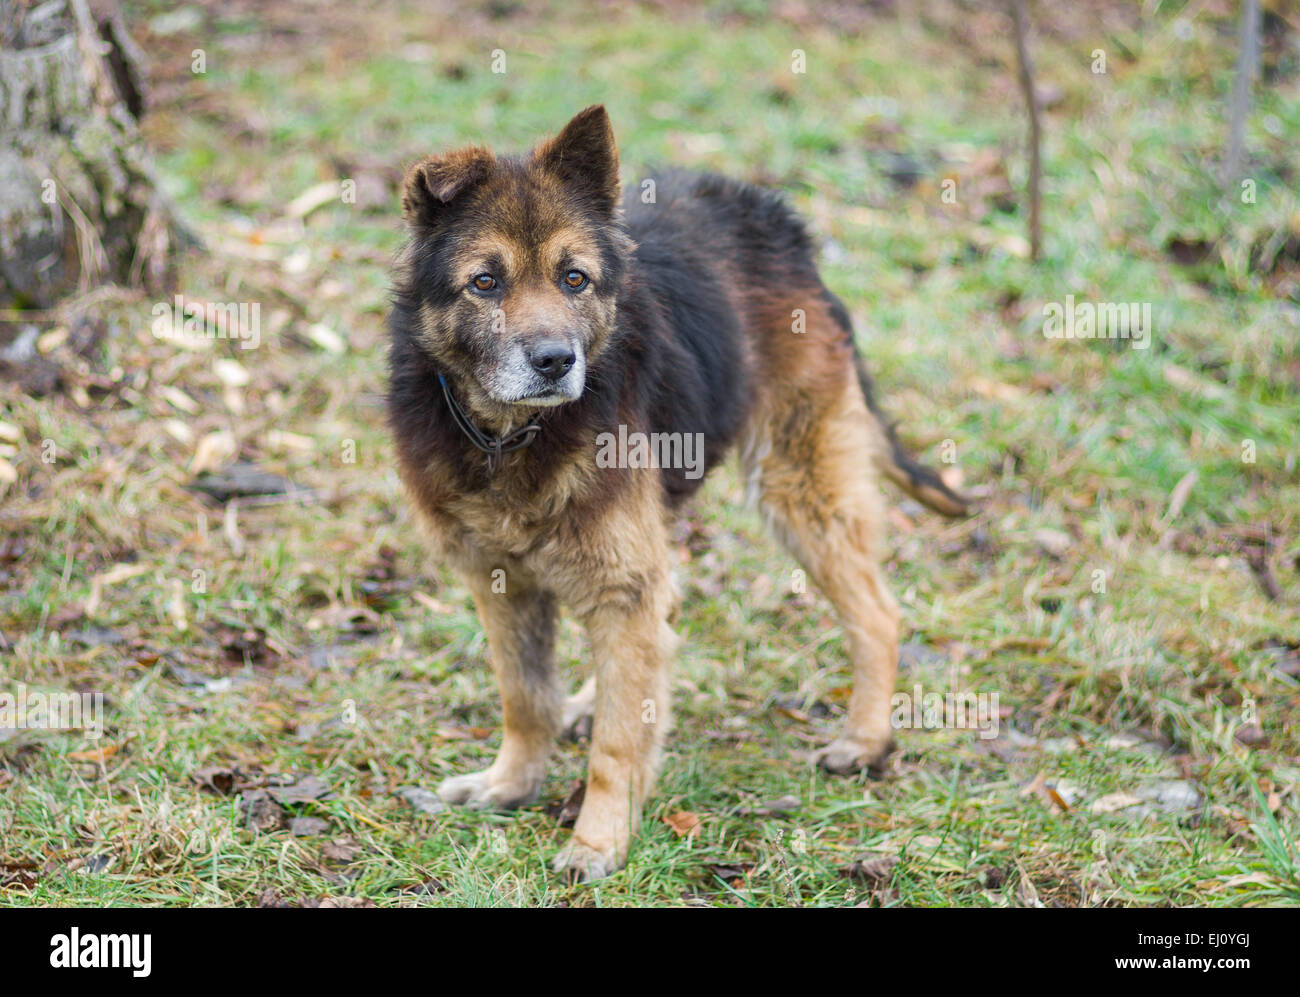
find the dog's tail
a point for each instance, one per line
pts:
(919, 481)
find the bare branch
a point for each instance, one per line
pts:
(1020, 19)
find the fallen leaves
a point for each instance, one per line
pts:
(97, 755)
(1172, 797)
(301, 827)
(732, 873)
(341, 850)
(261, 813)
(20, 874)
(874, 869)
(684, 823)
(876, 874)
(566, 813)
(1047, 792)
(265, 800)
(306, 790)
(1112, 802)
(271, 897)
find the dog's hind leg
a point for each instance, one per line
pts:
(813, 456)
(520, 627)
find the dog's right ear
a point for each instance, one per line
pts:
(432, 184)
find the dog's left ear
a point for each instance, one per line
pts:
(585, 158)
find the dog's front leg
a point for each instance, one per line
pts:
(520, 627)
(631, 647)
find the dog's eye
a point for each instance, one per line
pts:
(575, 280)
(483, 282)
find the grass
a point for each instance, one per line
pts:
(1104, 592)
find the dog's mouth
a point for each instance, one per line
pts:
(545, 399)
(516, 380)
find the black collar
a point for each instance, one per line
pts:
(493, 446)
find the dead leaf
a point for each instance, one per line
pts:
(98, 755)
(875, 869)
(261, 812)
(340, 902)
(306, 790)
(20, 874)
(215, 779)
(684, 823)
(732, 872)
(340, 850)
(566, 814)
(1114, 801)
(1251, 734)
(1038, 787)
(1057, 799)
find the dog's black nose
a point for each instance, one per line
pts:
(551, 358)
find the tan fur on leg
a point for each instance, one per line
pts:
(520, 629)
(817, 488)
(631, 648)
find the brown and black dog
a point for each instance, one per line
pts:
(539, 317)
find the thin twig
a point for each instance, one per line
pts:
(1035, 132)
(1239, 106)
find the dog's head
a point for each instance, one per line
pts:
(515, 264)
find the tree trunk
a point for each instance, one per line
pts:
(79, 206)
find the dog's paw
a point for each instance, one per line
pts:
(582, 864)
(847, 755)
(487, 791)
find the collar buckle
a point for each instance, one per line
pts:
(495, 446)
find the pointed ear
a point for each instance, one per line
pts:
(585, 158)
(432, 184)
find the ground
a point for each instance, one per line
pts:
(1123, 598)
